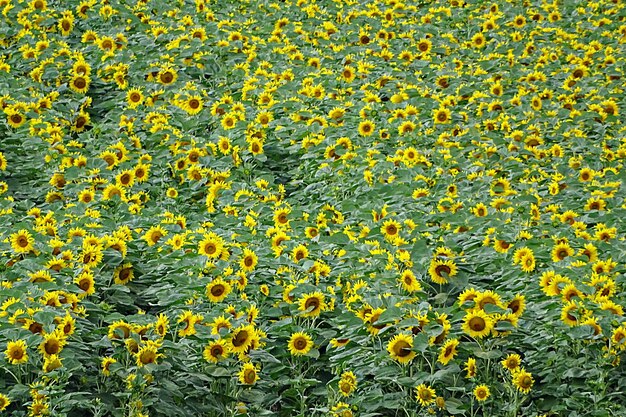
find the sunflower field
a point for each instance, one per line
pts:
(312, 208)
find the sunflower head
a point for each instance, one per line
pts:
(215, 351)
(481, 393)
(300, 344)
(312, 304)
(400, 348)
(16, 353)
(248, 374)
(425, 394)
(217, 290)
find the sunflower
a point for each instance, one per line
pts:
(528, 263)
(566, 314)
(409, 282)
(554, 16)
(248, 374)
(400, 348)
(478, 40)
(86, 283)
(569, 292)
(521, 253)
(512, 362)
(211, 246)
(123, 274)
(189, 320)
(595, 204)
(15, 118)
(264, 118)
(443, 81)
(16, 352)
(167, 75)
(248, 260)
(86, 196)
(612, 307)
(120, 329)
(470, 368)
(441, 319)
(241, 339)
(193, 105)
(618, 337)
(480, 210)
(126, 178)
(347, 383)
(425, 394)
(66, 24)
(390, 229)
(161, 325)
(22, 241)
(4, 402)
(477, 324)
(336, 113)
(519, 21)
(366, 128)
(105, 364)
(560, 251)
(523, 380)
(217, 290)
(153, 235)
(141, 172)
(536, 103)
(609, 107)
(448, 351)
(52, 343)
(81, 67)
(134, 97)
(256, 146)
(299, 253)
(371, 318)
(106, 43)
(91, 256)
(424, 45)
(585, 175)
(481, 393)
(300, 344)
(80, 123)
(411, 156)
(442, 115)
(172, 192)
(215, 351)
(39, 407)
(229, 121)
(80, 83)
(51, 363)
(517, 305)
(277, 241)
(441, 270)
(311, 304)
(280, 217)
(487, 297)
(348, 74)
(148, 354)
(593, 323)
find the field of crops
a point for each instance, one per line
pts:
(312, 208)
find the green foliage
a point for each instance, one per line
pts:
(305, 207)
